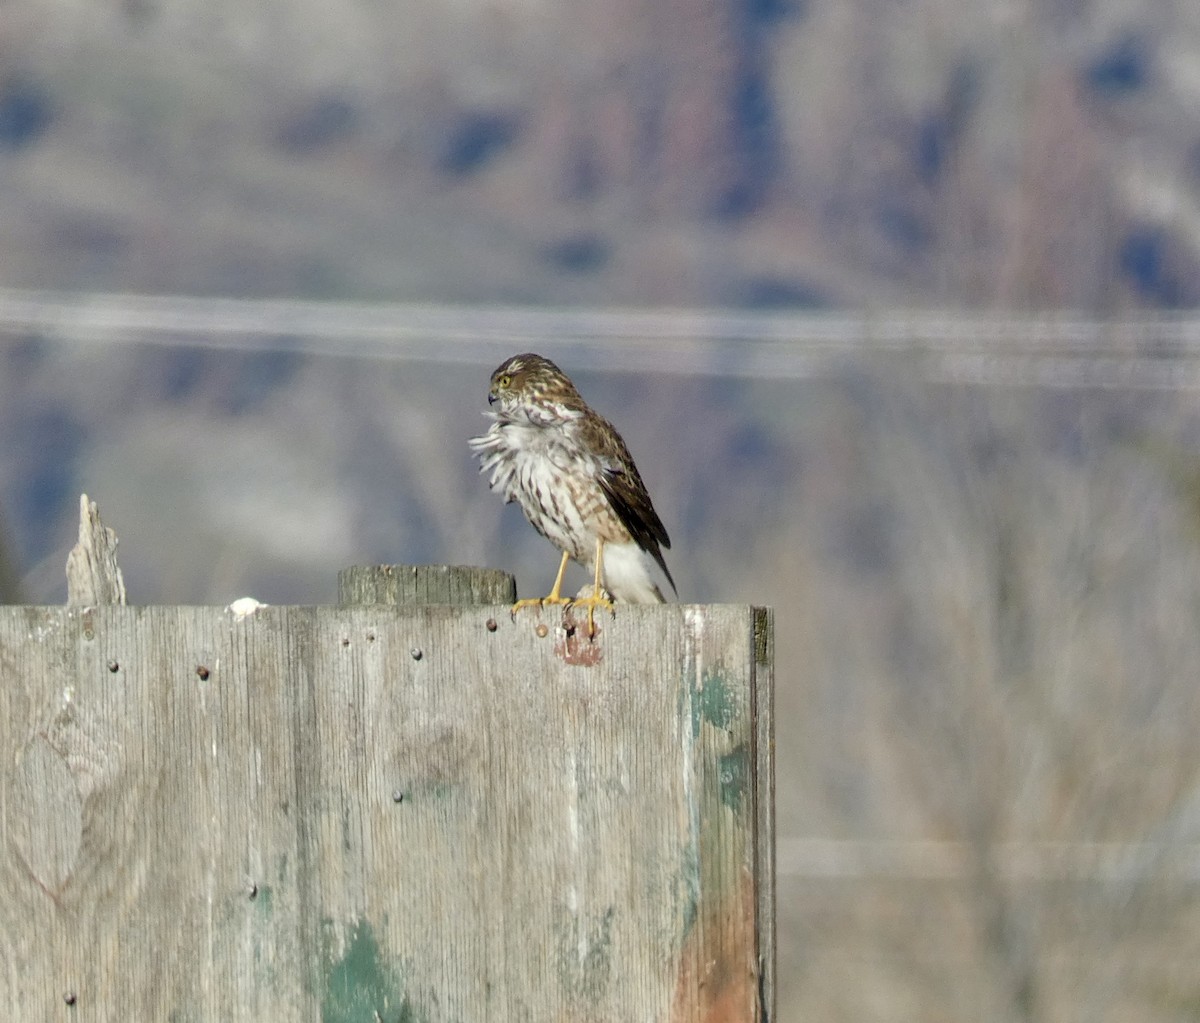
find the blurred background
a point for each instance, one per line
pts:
(892, 301)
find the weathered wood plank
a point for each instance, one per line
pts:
(425, 584)
(325, 813)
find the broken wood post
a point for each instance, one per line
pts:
(423, 812)
(93, 575)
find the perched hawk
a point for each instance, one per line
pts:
(575, 480)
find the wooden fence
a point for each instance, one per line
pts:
(386, 813)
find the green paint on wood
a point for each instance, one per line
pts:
(687, 884)
(263, 898)
(358, 986)
(428, 789)
(734, 777)
(714, 702)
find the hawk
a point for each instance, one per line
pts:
(573, 476)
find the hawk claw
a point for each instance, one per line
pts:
(538, 602)
(593, 602)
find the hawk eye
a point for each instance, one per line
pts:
(503, 380)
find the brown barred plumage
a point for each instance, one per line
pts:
(573, 476)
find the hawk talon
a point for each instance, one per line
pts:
(592, 602)
(538, 602)
(553, 597)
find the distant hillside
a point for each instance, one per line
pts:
(763, 153)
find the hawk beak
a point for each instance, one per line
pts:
(491, 399)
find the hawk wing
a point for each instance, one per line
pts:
(626, 493)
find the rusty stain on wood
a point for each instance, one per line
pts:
(720, 989)
(574, 646)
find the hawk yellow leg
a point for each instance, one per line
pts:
(553, 597)
(595, 600)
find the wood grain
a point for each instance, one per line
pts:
(425, 584)
(327, 813)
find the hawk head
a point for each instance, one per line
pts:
(531, 384)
